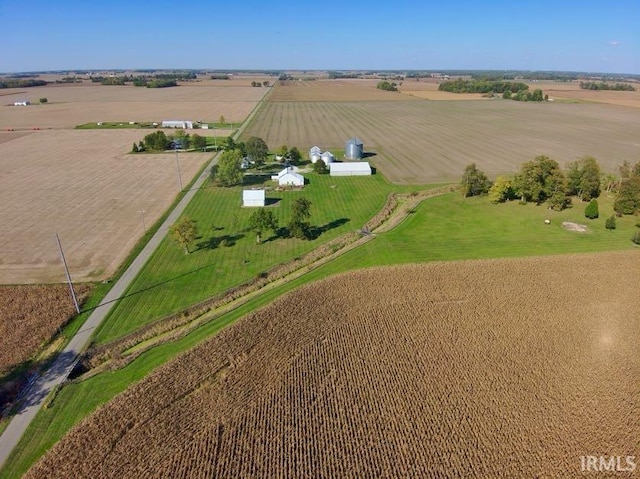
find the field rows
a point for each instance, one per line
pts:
(475, 369)
(84, 186)
(422, 142)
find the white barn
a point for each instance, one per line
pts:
(253, 198)
(288, 177)
(184, 124)
(354, 168)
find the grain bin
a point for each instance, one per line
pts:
(354, 149)
(315, 153)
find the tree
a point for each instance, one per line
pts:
(228, 171)
(294, 155)
(591, 211)
(134, 148)
(282, 151)
(262, 220)
(610, 223)
(230, 144)
(199, 142)
(627, 201)
(583, 178)
(141, 146)
(43, 100)
(636, 237)
(539, 179)
(507, 95)
(257, 149)
(474, 182)
(299, 227)
(184, 232)
(156, 141)
(320, 167)
(265, 83)
(502, 190)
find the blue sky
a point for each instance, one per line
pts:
(543, 35)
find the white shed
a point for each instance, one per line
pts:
(253, 198)
(327, 157)
(314, 153)
(354, 168)
(290, 177)
(184, 124)
(22, 103)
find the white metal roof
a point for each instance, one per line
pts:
(253, 195)
(350, 166)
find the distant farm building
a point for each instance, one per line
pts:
(253, 198)
(184, 124)
(22, 103)
(356, 168)
(315, 153)
(327, 157)
(354, 148)
(288, 177)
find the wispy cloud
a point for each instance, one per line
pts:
(614, 43)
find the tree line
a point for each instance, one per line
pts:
(20, 82)
(387, 86)
(481, 86)
(542, 180)
(160, 141)
(592, 85)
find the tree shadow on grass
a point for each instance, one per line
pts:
(252, 179)
(214, 241)
(317, 231)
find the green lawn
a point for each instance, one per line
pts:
(442, 228)
(172, 280)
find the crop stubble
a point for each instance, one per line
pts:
(83, 185)
(495, 368)
(424, 141)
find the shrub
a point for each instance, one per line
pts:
(43, 100)
(611, 223)
(591, 211)
(636, 237)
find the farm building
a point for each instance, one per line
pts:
(289, 177)
(327, 157)
(354, 149)
(22, 103)
(314, 154)
(253, 198)
(356, 168)
(185, 124)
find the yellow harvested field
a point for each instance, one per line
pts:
(333, 91)
(84, 185)
(72, 105)
(572, 91)
(494, 368)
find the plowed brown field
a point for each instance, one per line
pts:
(334, 91)
(85, 186)
(427, 142)
(499, 368)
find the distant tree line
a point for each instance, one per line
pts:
(525, 95)
(220, 76)
(159, 141)
(20, 82)
(591, 85)
(154, 82)
(259, 84)
(387, 86)
(480, 86)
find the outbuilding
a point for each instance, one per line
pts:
(288, 177)
(353, 168)
(327, 157)
(253, 198)
(315, 153)
(184, 124)
(22, 103)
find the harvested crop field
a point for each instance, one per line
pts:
(84, 185)
(428, 90)
(333, 91)
(426, 142)
(31, 315)
(71, 105)
(497, 368)
(572, 91)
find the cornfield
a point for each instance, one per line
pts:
(491, 368)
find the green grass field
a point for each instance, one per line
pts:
(172, 280)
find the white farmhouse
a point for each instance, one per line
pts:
(253, 198)
(288, 177)
(354, 168)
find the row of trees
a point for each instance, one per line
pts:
(592, 85)
(542, 180)
(159, 141)
(185, 231)
(480, 86)
(525, 95)
(258, 84)
(387, 86)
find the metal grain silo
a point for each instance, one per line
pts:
(354, 149)
(315, 153)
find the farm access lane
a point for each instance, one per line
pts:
(62, 366)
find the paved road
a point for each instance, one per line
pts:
(62, 366)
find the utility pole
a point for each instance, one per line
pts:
(178, 167)
(144, 226)
(66, 270)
